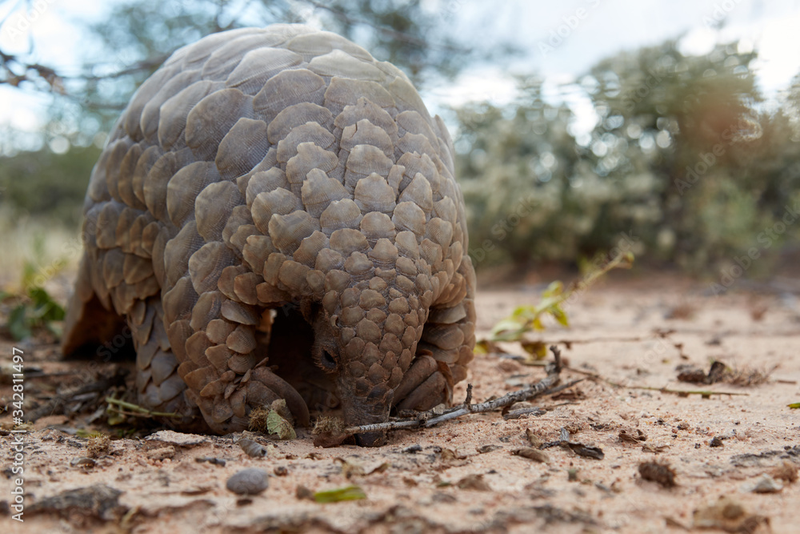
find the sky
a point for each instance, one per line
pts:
(560, 40)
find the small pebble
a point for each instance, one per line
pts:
(764, 484)
(303, 492)
(250, 481)
(252, 448)
(216, 461)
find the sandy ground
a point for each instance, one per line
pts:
(463, 476)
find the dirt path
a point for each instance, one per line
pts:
(462, 477)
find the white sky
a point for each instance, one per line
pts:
(602, 28)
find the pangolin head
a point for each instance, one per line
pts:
(365, 343)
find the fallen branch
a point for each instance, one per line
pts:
(680, 392)
(136, 410)
(434, 417)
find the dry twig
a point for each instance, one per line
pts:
(431, 418)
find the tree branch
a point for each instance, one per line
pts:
(433, 417)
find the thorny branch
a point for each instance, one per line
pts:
(434, 417)
(680, 392)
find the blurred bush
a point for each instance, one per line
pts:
(684, 161)
(44, 184)
(686, 164)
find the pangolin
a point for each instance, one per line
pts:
(275, 216)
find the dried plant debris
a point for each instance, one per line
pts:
(524, 412)
(98, 446)
(661, 473)
(329, 431)
(302, 493)
(632, 436)
(347, 493)
(763, 484)
(745, 376)
(578, 448)
(99, 501)
(691, 373)
(786, 471)
(448, 455)
(748, 376)
(279, 420)
(757, 311)
(532, 454)
(258, 419)
(570, 395)
(352, 468)
(655, 448)
(86, 463)
(473, 482)
(730, 516)
(252, 448)
(682, 311)
(280, 471)
(86, 397)
(533, 439)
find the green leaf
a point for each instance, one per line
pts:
(483, 346)
(45, 308)
(114, 416)
(507, 330)
(553, 290)
(280, 426)
(525, 312)
(537, 349)
(559, 315)
(347, 493)
(18, 323)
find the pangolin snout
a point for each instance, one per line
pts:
(371, 439)
(360, 411)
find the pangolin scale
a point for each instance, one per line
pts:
(275, 216)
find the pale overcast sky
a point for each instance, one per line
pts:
(590, 30)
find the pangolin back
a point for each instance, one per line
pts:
(278, 169)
